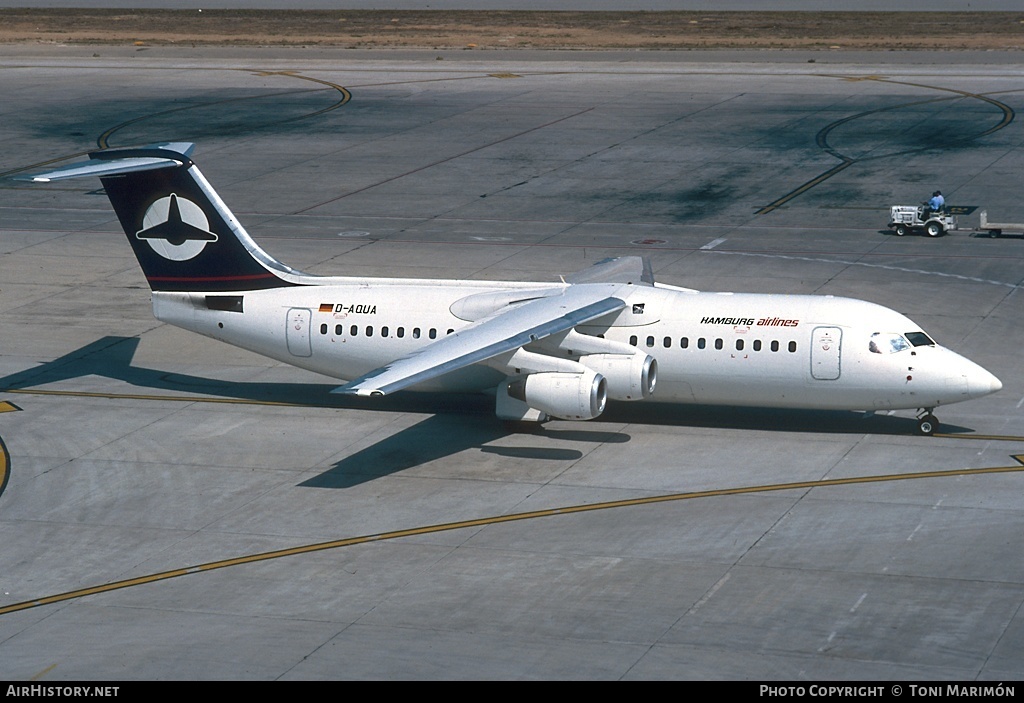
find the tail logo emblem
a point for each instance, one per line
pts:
(176, 228)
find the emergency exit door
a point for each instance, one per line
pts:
(297, 332)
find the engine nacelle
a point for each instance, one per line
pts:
(570, 396)
(630, 377)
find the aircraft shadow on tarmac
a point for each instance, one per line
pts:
(439, 436)
(455, 422)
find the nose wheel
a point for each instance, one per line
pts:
(927, 423)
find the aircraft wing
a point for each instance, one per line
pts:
(503, 331)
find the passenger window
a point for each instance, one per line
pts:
(650, 341)
(739, 345)
(323, 328)
(433, 333)
(369, 331)
(353, 331)
(757, 345)
(718, 343)
(383, 331)
(415, 332)
(701, 343)
(667, 342)
(775, 345)
(633, 340)
(400, 332)
(449, 331)
(338, 330)
(684, 342)
(792, 346)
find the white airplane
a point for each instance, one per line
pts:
(544, 349)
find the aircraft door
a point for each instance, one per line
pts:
(297, 332)
(825, 353)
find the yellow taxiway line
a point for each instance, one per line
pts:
(495, 520)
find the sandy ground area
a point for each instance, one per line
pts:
(999, 31)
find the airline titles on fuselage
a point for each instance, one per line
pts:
(750, 321)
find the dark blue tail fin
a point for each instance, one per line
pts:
(184, 236)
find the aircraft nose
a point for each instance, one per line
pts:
(980, 383)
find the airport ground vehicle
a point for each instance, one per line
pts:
(908, 219)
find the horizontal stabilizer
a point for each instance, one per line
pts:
(115, 162)
(99, 168)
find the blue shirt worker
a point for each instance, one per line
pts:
(937, 202)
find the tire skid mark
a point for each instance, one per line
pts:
(821, 139)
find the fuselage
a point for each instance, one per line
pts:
(787, 351)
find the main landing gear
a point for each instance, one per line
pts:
(927, 423)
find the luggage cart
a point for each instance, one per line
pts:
(995, 229)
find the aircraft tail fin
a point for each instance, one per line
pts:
(184, 236)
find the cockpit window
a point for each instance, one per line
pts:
(888, 342)
(919, 339)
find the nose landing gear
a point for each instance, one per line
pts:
(927, 423)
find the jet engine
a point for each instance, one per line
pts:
(570, 396)
(630, 377)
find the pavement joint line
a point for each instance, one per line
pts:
(174, 398)
(285, 404)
